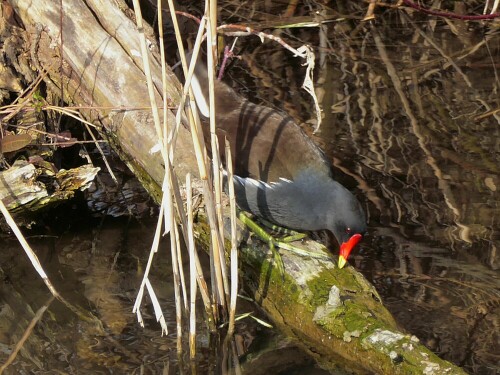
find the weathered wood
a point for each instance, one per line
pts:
(23, 193)
(335, 313)
(102, 70)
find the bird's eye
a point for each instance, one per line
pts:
(348, 230)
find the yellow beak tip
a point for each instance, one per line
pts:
(342, 262)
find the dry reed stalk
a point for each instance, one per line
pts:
(147, 72)
(181, 269)
(189, 75)
(212, 13)
(234, 249)
(154, 248)
(192, 268)
(218, 260)
(177, 293)
(166, 204)
(161, 42)
(200, 153)
(28, 250)
(38, 266)
(200, 278)
(201, 157)
(174, 237)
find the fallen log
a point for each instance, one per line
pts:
(335, 314)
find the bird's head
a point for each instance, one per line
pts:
(350, 240)
(349, 227)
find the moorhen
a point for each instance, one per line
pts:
(280, 174)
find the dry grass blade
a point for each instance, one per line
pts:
(234, 249)
(192, 270)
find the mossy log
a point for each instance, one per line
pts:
(334, 313)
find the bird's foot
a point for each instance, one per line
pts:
(283, 243)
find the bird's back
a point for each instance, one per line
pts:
(266, 144)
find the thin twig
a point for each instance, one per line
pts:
(439, 13)
(26, 334)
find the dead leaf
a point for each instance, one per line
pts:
(14, 142)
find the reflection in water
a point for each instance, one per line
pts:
(98, 269)
(399, 104)
(430, 176)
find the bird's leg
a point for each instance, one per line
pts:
(277, 256)
(266, 237)
(263, 235)
(291, 235)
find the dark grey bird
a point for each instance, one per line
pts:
(280, 174)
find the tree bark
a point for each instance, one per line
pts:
(336, 314)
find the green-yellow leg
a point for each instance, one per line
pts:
(260, 232)
(292, 235)
(283, 244)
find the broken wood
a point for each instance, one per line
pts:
(24, 194)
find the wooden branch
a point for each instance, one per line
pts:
(102, 69)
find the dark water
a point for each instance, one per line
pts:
(429, 175)
(401, 100)
(98, 268)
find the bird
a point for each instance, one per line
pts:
(280, 174)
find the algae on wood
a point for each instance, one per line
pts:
(336, 315)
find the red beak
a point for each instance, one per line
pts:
(346, 248)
